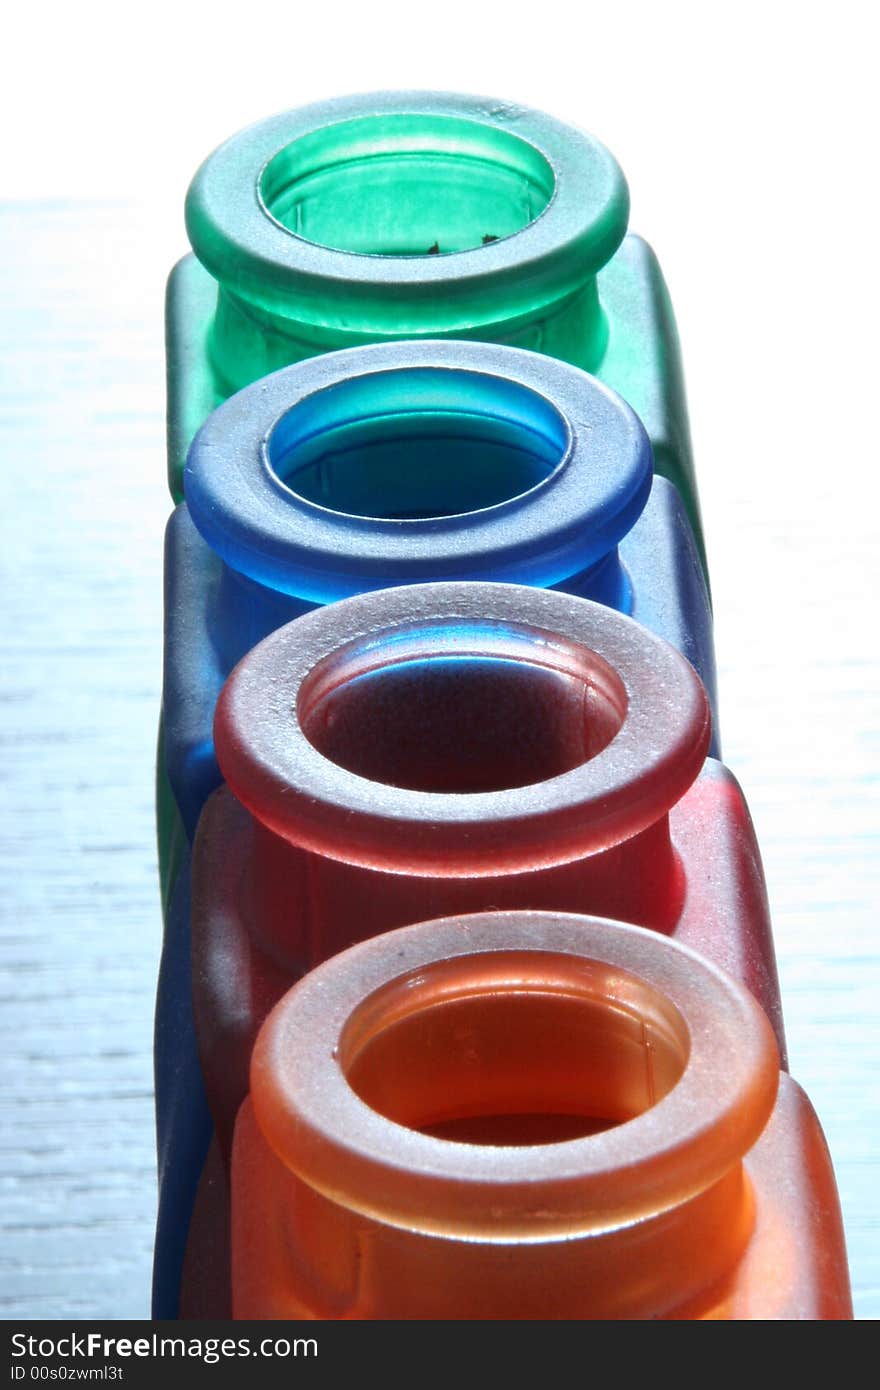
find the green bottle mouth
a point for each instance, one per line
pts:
(407, 184)
(406, 213)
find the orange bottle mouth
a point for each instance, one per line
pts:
(514, 1047)
(503, 1014)
(512, 1113)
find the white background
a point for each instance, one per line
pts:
(748, 136)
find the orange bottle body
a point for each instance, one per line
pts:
(529, 1116)
(793, 1265)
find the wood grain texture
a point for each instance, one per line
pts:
(84, 503)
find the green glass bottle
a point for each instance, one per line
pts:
(419, 215)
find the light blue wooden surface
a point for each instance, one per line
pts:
(83, 506)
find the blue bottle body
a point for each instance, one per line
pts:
(183, 1121)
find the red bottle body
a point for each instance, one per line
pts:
(265, 912)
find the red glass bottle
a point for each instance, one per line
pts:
(448, 748)
(530, 1116)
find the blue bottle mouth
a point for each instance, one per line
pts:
(416, 461)
(417, 444)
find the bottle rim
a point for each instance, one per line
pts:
(656, 710)
(257, 258)
(589, 498)
(680, 1146)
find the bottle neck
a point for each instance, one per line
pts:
(302, 907)
(245, 611)
(604, 582)
(248, 342)
(350, 1266)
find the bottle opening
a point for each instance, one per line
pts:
(417, 443)
(514, 1048)
(471, 709)
(406, 184)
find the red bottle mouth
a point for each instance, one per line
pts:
(463, 729)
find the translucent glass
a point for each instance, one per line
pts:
(447, 748)
(418, 215)
(373, 185)
(389, 464)
(528, 1115)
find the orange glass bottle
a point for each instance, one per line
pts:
(528, 1115)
